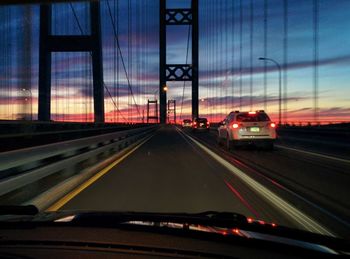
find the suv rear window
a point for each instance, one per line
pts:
(246, 117)
(202, 120)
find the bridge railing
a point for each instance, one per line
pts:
(26, 173)
(335, 136)
(18, 134)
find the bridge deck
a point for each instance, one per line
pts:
(170, 174)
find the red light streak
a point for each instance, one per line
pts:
(236, 231)
(244, 202)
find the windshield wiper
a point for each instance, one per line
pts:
(226, 216)
(223, 219)
(210, 218)
(18, 210)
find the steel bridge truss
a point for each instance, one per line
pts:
(178, 72)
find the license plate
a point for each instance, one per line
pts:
(201, 124)
(254, 129)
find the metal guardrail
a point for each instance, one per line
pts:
(319, 131)
(17, 135)
(21, 168)
(28, 128)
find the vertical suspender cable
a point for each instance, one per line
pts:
(67, 21)
(220, 64)
(265, 53)
(144, 57)
(217, 39)
(216, 50)
(212, 36)
(207, 56)
(139, 41)
(8, 65)
(135, 52)
(142, 52)
(233, 74)
(88, 72)
(226, 56)
(251, 52)
(117, 31)
(54, 79)
(240, 52)
(128, 54)
(138, 52)
(285, 60)
(114, 63)
(129, 57)
(316, 54)
(213, 65)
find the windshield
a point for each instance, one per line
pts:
(97, 97)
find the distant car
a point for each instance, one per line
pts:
(200, 124)
(186, 123)
(242, 128)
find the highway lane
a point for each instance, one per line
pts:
(169, 173)
(336, 147)
(317, 185)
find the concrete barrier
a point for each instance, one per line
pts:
(27, 167)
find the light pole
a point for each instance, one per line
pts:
(31, 101)
(279, 87)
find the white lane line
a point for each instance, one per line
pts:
(314, 154)
(298, 216)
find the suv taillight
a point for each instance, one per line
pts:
(235, 125)
(272, 125)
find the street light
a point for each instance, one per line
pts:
(31, 101)
(279, 86)
(206, 101)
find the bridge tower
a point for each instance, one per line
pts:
(153, 117)
(178, 72)
(49, 43)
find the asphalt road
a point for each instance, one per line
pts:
(337, 146)
(170, 173)
(317, 185)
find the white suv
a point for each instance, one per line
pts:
(240, 128)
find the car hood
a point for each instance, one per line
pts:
(224, 224)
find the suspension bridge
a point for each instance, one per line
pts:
(93, 95)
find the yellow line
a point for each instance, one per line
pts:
(75, 192)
